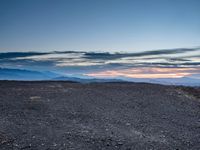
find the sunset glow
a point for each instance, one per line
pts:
(146, 72)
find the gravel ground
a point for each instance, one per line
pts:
(98, 116)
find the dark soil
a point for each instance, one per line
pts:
(193, 91)
(98, 116)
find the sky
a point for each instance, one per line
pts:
(169, 63)
(102, 38)
(98, 25)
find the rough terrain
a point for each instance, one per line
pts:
(98, 116)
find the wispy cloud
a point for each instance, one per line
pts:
(147, 72)
(165, 63)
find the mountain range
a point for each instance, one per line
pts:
(29, 75)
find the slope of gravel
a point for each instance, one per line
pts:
(98, 116)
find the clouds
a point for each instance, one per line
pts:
(92, 62)
(144, 72)
(11, 55)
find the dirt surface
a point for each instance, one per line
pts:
(98, 116)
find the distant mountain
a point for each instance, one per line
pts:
(19, 74)
(83, 80)
(186, 81)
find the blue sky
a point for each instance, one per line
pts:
(98, 25)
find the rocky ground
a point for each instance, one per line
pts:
(98, 116)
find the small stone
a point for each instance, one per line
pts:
(120, 143)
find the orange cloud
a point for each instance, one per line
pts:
(146, 72)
